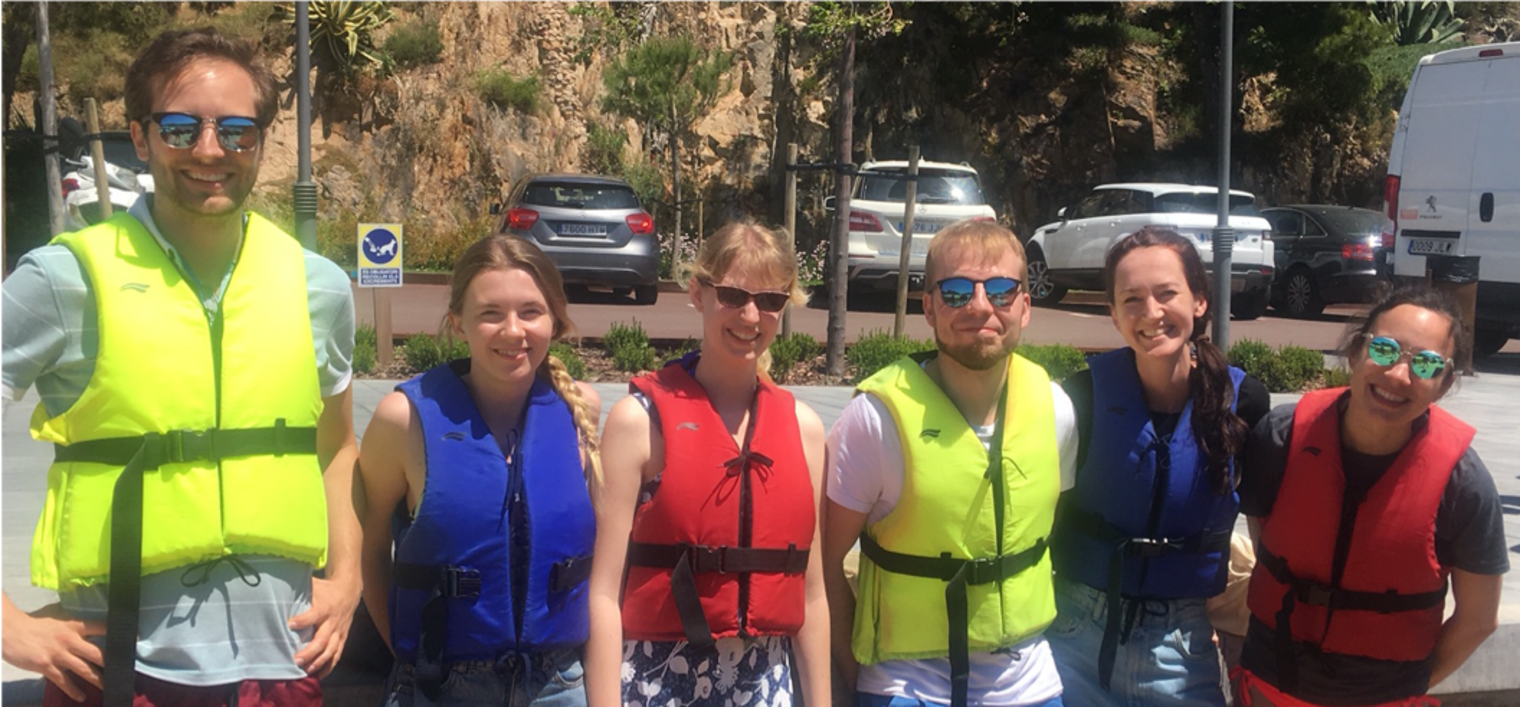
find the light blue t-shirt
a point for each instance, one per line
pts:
(212, 624)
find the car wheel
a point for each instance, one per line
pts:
(646, 294)
(1487, 342)
(1042, 289)
(1300, 295)
(1248, 305)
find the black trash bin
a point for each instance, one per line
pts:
(1458, 275)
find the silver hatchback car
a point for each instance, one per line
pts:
(592, 227)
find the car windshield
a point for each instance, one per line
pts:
(122, 154)
(1352, 221)
(571, 195)
(1204, 203)
(935, 186)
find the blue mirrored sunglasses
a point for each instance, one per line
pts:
(233, 133)
(1385, 351)
(958, 291)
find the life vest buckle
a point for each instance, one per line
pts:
(1151, 547)
(1313, 593)
(459, 582)
(982, 570)
(189, 445)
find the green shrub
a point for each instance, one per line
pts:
(647, 180)
(424, 351)
(1252, 356)
(604, 149)
(1058, 360)
(629, 347)
(1287, 370)
(1336, 377)
(788, 351)
(414, 44)
(364, 349)
(1299, 367)
(877, 349)
(567, 355)
(685, 347)
(500, 88)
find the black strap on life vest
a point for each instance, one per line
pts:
(959, 574)
(1332, 598)
(686, 560)
(1125, 546)
(137, 455)
(447, 582)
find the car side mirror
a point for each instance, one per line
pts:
(1061, 214)
(495, 209)
(828, 203)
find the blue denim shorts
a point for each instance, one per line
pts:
(552, 679)
(1170, 657)
(867, 699)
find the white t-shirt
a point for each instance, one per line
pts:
(865, 475)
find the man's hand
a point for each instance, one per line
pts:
(332, 612)
(49, 642)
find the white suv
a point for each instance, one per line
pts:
(946, 193)
(1069, 254)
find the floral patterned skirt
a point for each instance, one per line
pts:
(734, 672)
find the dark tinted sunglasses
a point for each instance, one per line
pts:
(181, 130)
(736, 298)
(958, 291)
(1386, 352)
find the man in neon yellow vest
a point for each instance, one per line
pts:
(946, 467)
(194, 366)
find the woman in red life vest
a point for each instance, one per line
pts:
(1366, 504)
(479, 477)
(713, 481)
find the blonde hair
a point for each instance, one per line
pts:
(501, 252)
(748, 246)
(989, 239)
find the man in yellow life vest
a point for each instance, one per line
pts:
(946, 467)
(193, 364)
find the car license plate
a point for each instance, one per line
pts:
(922, 226)
(1430, 246)
(583, 229)
(920, 250)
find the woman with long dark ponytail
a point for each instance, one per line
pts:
(1143, 539)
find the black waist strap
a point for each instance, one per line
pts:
(137, 455)
(959, 574)
(1332, 598)
(684, 561)
(1126, 546)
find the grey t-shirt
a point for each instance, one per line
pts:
(207, 625)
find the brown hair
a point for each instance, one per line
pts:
(989, 238)
(172, 51)
(501, 252)
(1354, 339)
(1219, 432)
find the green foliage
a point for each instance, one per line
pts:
(788, 351)
(877, 349)
(1299, 366)
(498, 87)
(1058, 360)
(1337, 377)
(567, 355)
(686, 346)
(342, 35)
(1286, 370)
(829, 21)
(424, 351)
(1423, 22)
(1252, 356)
(365, 350)
(629, 346)
(604, 149)
(646, 179)
(414, 44)
(666, 82)
(609, 27)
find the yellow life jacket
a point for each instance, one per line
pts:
(939, 547)
(222, 419)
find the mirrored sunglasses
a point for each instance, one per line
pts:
(181, 130)
(958, 291)
(1384, 351)
(736, 298)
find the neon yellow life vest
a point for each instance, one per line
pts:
(947, 507)
(160, 370)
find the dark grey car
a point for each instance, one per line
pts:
(1325, 255)
(593, 228)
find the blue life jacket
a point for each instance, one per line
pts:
(496, 559)
(1143, 505)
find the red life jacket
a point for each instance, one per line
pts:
(721, 548)
(1385, 600)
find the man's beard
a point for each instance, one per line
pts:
(978, 356)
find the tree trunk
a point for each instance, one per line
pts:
(838, 284)
(785, 120)
(19, 27)
(675, 192)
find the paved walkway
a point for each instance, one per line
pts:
(1487, 402)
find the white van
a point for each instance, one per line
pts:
(1453, 185)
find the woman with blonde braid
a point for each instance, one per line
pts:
(480, 473)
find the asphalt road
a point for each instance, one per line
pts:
(1081, 320)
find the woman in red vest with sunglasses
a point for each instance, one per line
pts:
(1367, 502)
(713, 475)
